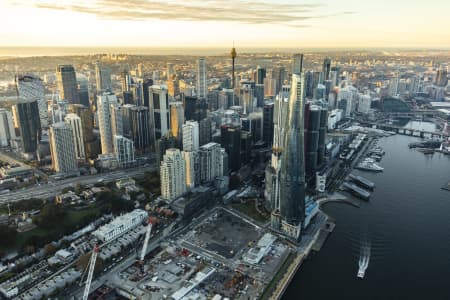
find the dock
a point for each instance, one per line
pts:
(357, 191)
(446, 187)
(361, 181)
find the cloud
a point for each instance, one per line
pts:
(242, 11)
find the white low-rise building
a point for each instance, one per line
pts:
(120, 225)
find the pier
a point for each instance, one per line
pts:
(364, 182)
(408, 131)
(357, 191)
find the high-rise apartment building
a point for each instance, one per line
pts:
(211, 162)
(123, 150)
(75, 124)
(191, 134)
(104, 104)
(67, 83)
(173, 174)
(62, 148)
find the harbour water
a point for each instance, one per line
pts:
(407, 222)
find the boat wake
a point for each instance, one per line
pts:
(364, 259)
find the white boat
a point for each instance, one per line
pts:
(363, 261)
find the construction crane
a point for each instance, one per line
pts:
(147, 238)
(90, 272)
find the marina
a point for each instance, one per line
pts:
(357, 191)
(364, 182)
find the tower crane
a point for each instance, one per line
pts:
(90, 272)
(147, 238)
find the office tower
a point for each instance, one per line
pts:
(83, 90)
(347, 99)
(442, 76)
(253, 124)
(322, 135)
(166, 142)
(260, 75)
(247, 99)
(297, 63)
(75, 124)
(173, 86)
(279, 74)
(312, 125)
(62, 148)
(139, 127)
(202, 87)
(205, 126)
(393, 85)
(213, 100)
(7, 132)
(326, 68)
(191, 136)
(67, 83)
(115, 115)
(159, 111)
(233, 55)
(91, 144)
(211, 162)
(194, 108)
(190, 158)
(140, 70)
(104, 103)
(173, 175)
(176, 118)
(31, 88)
(147, 83)
(292, 171)
(309, 84)
(123, 150)
(270, 86)
(364, 103)
(170, 71)
(125, 80)
(102, 78)
(226, 98)
(230, 139)
(320, 92)
(259, 95)
(268, 112)
(26, 119)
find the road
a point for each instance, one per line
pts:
(53, 188)
(12, 160)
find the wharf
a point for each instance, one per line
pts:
(359, 180)
(446, 187)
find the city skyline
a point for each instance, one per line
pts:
(251, 24)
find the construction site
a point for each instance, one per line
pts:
(221, 254)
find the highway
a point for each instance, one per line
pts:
(53, 188)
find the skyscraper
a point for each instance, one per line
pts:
(26, 117)
(91, 144)
(31, 88)
(260, 75)
(230, 139)
(211, 162)
(139, 127)
(291, 214)
(191, 136)
(159, 111)
(173, 174)
(102, 78)
(123, 150)
(393, 85)
(191, 159)
(202, 87)
(176, 118)
(326, 68)
(75, 124)
(7, 132)
(67, 83)
(62, 148)
(104, 121)
(83, 90)
(268, 111)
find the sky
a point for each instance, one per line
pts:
(217, 23)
